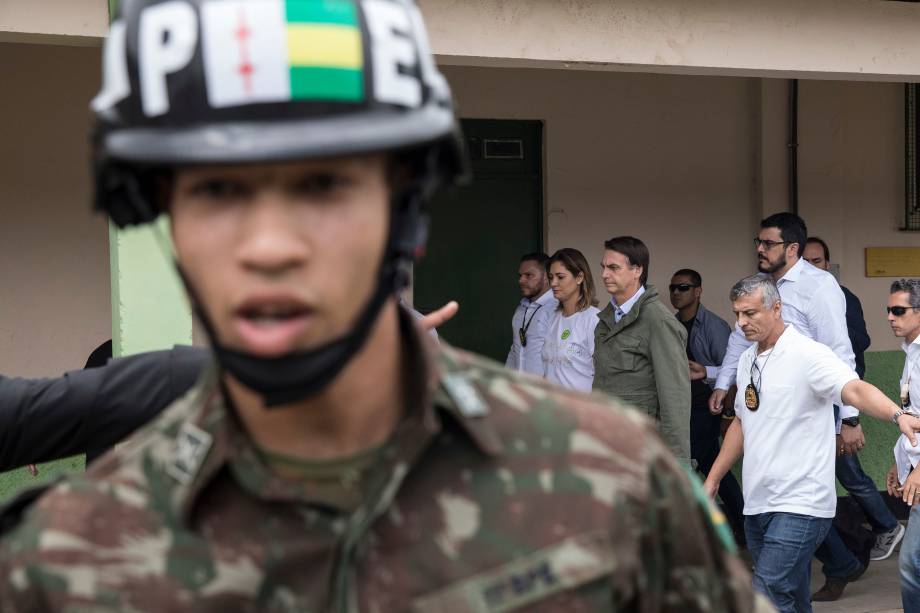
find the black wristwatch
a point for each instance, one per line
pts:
(851, 421)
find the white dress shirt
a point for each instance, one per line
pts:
(620, 311)
(813, 302)
(789, 447)
(535, 315)
(906, 456)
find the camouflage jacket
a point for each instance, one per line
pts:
(499, 492)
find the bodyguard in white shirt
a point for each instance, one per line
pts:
(904, 477)
(568, 354)
(788, 384)
(531, 317)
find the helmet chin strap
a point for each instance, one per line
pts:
(301, 374)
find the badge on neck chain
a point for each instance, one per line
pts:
(751, 397)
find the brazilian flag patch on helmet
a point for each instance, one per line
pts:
(281, 50)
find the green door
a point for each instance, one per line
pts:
(480, 231)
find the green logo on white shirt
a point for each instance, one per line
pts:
(566, 334)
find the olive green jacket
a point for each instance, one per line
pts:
(643, 361)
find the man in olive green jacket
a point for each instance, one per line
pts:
(640, 349)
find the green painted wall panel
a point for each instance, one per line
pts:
(149, 307)
(883, 370)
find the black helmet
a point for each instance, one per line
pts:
(255, 81)
(236, 81)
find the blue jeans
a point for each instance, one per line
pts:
(781, 545)
(839, 561)
(863, 490)
(909, 564)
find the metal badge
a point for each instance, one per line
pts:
(465, 395)
(192, 446)
(751, 397)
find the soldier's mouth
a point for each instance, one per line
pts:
(272, 326)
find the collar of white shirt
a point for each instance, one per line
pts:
(629, 304)
(788, 336)
(546, 298)
(542, 300)
(792, 275)
(908, 347)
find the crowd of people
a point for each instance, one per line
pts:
(784, 385)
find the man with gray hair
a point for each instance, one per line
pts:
(903, 480)
(787, 386)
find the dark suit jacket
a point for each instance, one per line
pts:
(856, 328)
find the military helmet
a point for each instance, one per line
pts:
(237, 81)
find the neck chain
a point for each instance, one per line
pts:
(752, 391)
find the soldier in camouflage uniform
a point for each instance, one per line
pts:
(333, 458)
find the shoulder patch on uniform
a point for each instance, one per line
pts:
(712, 512)
(191, 448)
(465, 395)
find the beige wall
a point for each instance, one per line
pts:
(691, 164)
(70, 22)
(53, 254)
(851, 181)
(819, 39)
(841, 39)
(687, 163)
(670, 159)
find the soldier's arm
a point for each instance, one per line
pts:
(87, 410)
(667, 346)
(688, 558)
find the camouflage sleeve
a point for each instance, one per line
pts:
(689, 560)
(50, 552)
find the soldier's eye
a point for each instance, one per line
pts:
(219, 189)
(321, 183)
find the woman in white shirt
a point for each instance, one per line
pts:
(568, 353)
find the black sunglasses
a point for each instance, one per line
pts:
(681, 287)
(898, 311)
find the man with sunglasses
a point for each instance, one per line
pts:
(787, 386)
(532, 315)
(903, 480)
(707, 336)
